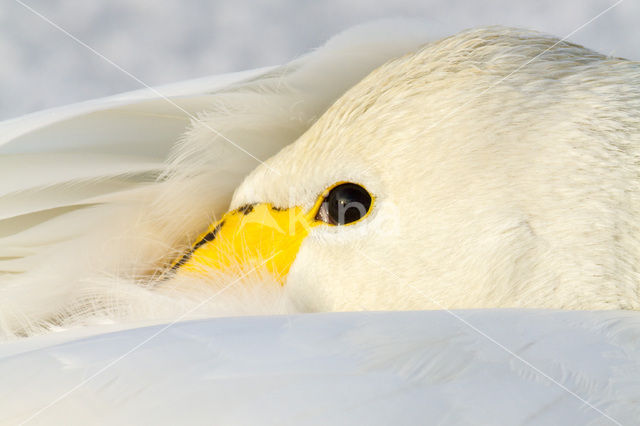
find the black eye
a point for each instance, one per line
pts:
(346, 203)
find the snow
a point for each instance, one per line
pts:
(174, 40)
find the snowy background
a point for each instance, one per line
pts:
(165, 41)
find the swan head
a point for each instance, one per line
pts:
(459, 176)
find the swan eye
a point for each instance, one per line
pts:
(344, 204)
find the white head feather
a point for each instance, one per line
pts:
(504, 164)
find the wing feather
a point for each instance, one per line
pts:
(339, 368)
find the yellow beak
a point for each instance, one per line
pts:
(255, 235)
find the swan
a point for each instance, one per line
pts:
(385, 171)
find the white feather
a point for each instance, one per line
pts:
(357, 368)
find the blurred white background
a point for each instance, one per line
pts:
(164, 41)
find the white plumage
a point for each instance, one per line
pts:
(342, 368)
(97, 199)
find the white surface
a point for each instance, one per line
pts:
(161, 42)
(351, 368)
